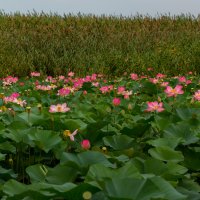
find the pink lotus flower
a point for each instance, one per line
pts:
(134, 76)
(67, 133)
(107, 88)
(78, 83)
(120, 89)
(49, 78)
(104, 89)
(174, 91)
(43, 87)
(94, 77)
(85, 144)
(188, 82)
(95, 84)
(197, 95)
(116, 101)
(37, 83)
(35, 74)
(110, 87)
(154, 106)
(59, 108)
(182, 79)
(164, 84)
(159, 75)
(153, 80)
(61, 78)
(87, 79)
(127, 94)
(71, 74)
(84, 92)
(64, 92)
(21, 84)
(142, 77)
(15, 95)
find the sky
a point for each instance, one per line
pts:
(106, 7)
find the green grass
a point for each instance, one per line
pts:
(54, 45)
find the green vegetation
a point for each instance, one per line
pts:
(82, 138)
(53, 44)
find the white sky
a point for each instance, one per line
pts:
(107, 7)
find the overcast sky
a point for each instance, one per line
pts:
(108, 7)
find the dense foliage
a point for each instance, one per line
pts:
(111, 45)
(134, 137)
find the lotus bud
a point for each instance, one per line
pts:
(85, 144)
(2, 95)
(12, 112)
(104, 149)
(130, 106)
(116, 101)
(39, 107)
(159, 99)
(123, 112)
(87, 195)
(28, 109)
(3, 108)
(10, 161)
(84, 92)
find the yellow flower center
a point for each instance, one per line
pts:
(3, 108)
(156, 107)
(2, 96)
(67, 133)
(59, 108)
(173, 91)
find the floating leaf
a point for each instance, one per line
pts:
(143, 189)
(84, 159)
(118, 142)
(181, 131)
(45, 139)
(169, 142)
(57, 175)
(166, 154)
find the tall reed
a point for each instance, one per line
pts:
(54, 44)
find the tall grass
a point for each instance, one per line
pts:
(56, 44)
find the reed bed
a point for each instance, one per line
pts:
(54, 44)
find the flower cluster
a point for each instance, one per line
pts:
(9, 80)
(13, 98)
(64, 91)
(45, 87)
(106, 89)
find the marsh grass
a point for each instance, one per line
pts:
(54, 44)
